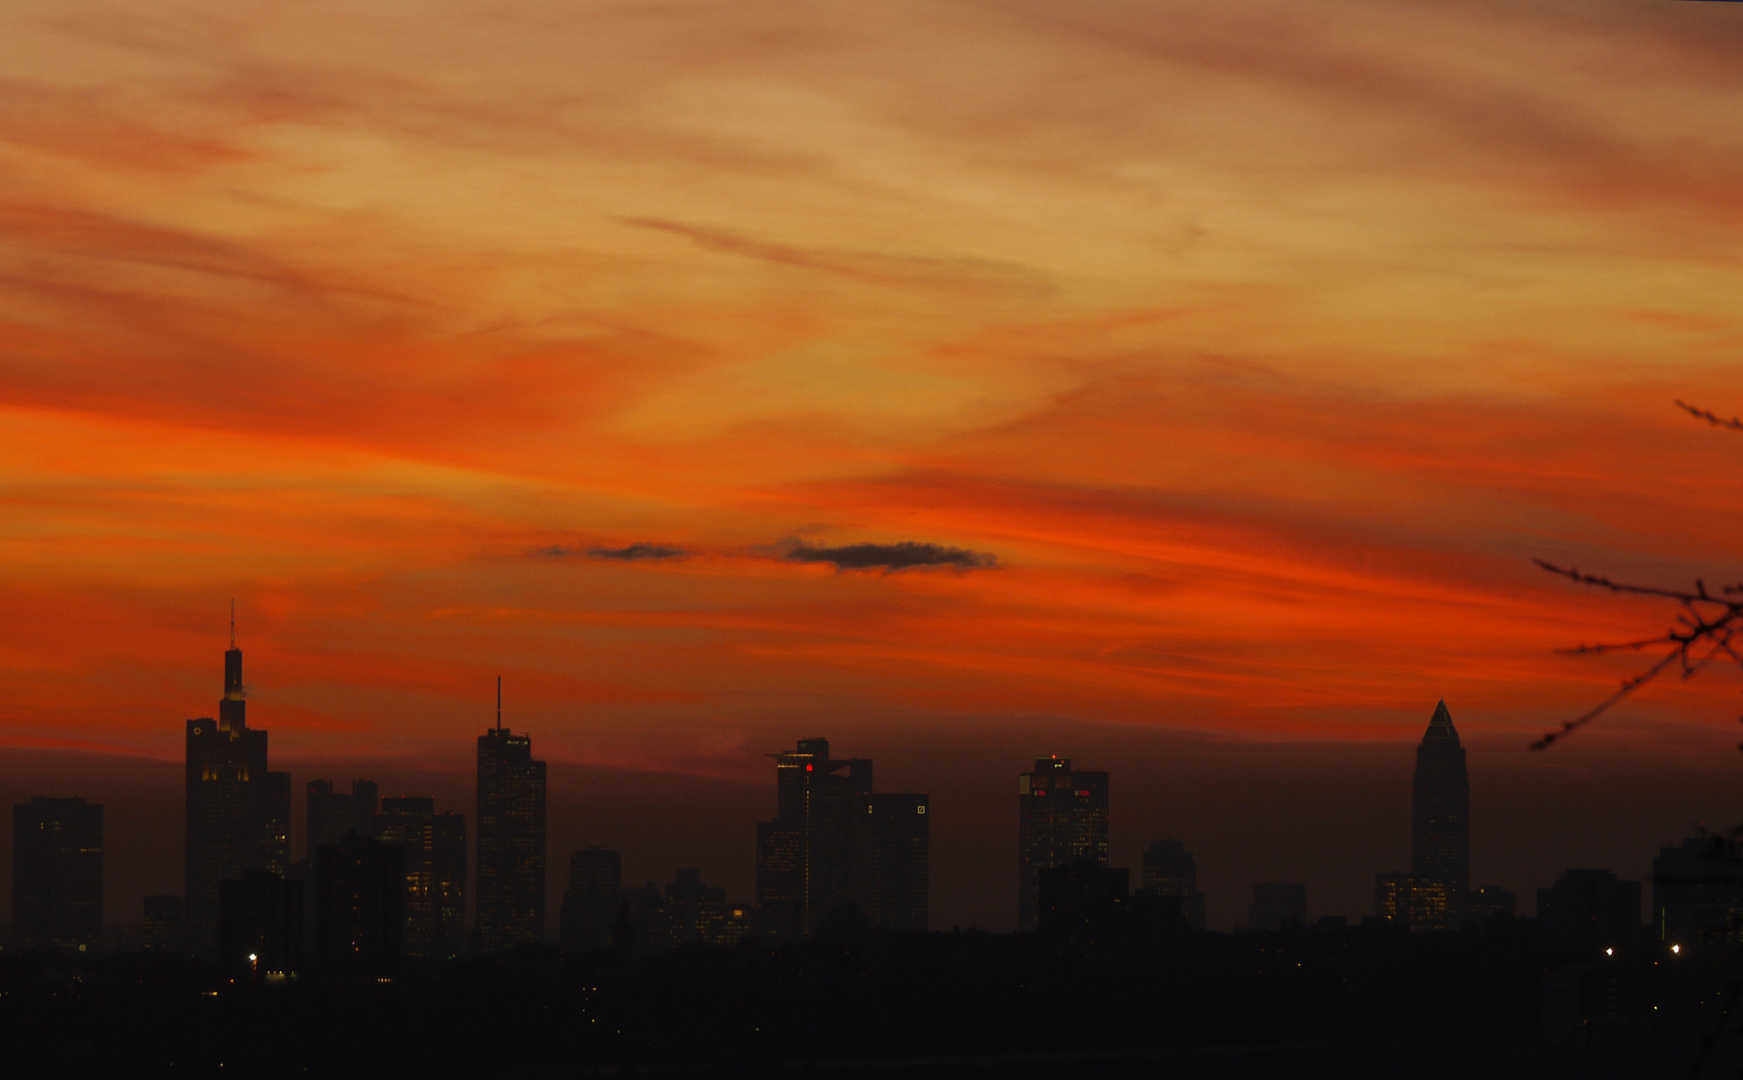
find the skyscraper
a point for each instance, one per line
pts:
(163, 924)
(435, 872)
(591, 902)
(1435, 894)
(332, 814)
(1062, 819)
(57, 873)
(834, 843)
(805, 856)
(238, 814)
(1440, 821)
(891, 860)
(1170, 870)
(359, 905)
(1277, 904)
(511, 838)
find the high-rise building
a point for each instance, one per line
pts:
(359, 905)
(1697, 895)
(1278, 904)
(591, 902)
(1588, 911)
(1083, 902)
(57, 873)
(683, 912)
(1062, 819)
(835, 845)
(891, 875)
(1435, 895)
(435, 873)
(332, 814)
(511, 839)
(1170, 870)
(1440, 810)
(260, 922)
(163, 924)
(238, 813)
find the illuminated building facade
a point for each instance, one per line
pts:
(1062, 820)
(1171, 871)
(834, 844)
(237, 813)
(435, 873)
(685, 910)
(511, 839)
(57, 874)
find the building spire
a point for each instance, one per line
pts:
(232, 622)
(499, 703)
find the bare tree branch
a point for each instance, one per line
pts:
(1735, 423)
(1705, 619)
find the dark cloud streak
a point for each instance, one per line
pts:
(906, 555)
(636, 552)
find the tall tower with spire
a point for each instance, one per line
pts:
(237, 813)
(1440, 822)
(511, 839)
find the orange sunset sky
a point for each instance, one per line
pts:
(1253, 347)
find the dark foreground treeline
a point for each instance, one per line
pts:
(1318, 1002)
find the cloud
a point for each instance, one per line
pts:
(906, 555)
(637, 551)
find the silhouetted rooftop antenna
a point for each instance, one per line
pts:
(499, 703)
(232, 622)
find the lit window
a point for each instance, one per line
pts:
(919, 809)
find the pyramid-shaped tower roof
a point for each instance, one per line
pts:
(1440, 725)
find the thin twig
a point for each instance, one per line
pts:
(1734, 423)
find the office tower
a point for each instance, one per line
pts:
(435, 872)
(163, 924)
(511, 839)
(1084, 902)
(1170, 870)
(237, 813)
(1588, 911)
(1062, 818)
(891, 856)
(1697, 895)
(359, 906)
(591, 902)
(332, 814)
(448, 860)
(1415, 903)
(260, 922)
(1440, 821)
(835, 846)
(57, 874)
(1278, 904)
(685, 911)
(1490, 904)
(805, 856)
